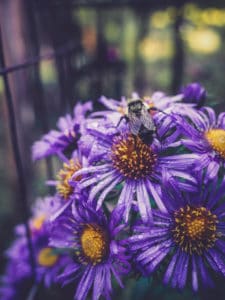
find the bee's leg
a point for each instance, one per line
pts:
(121, 119)
(135, 141)
(147, 137)
(163, 112)
(156, 109)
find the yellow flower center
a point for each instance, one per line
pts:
(47, 257)
(38, 222)
(194, 229)
(132, 158)
(94, 243)
(63, 187)
(216, 138)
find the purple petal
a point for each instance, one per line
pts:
(180, 271)
(221, 120)
(92, 169)
(156, 197)
(115, 273)
(211, 115)
(194, 274)
(60, 211)
(143, 202)
(126, 198)
(108, 178)
(157, 259)
(101, 198)
(212, 169)
(99, 281)
(85, 283)
(207, 281)
(170, 268)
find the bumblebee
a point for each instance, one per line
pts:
(140, 120)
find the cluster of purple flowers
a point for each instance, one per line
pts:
(123, 206)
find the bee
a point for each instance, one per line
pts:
(140, 120)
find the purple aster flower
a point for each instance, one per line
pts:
(49, 263)
(194, 93)
(188, 239)
(206, 137)
(96, 247)
(69, 130)
(17, 283)
(18, 276)
(118, 159)
(65, 191)
(42, 209)
(63, 187)
(40, 227)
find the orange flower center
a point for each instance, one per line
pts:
(63, 187)
(132, 158)
(216, 138)
(94, 243)
(194, 229)
(47, 257)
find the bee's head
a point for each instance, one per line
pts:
(135, 105)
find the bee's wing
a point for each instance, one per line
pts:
(147, 120)
(134, 123)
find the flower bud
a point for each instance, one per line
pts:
(194, 93)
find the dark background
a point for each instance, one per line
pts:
(59, 52)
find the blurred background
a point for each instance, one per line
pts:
(58, 52)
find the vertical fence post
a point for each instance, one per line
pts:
(63, 30)
(23, 205)
(178, 58)
(40, 105)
